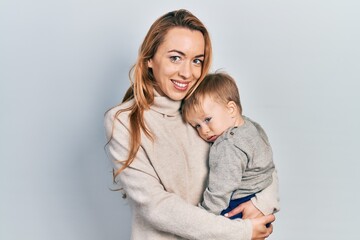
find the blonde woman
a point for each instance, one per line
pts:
(160, 161)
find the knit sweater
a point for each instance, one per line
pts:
(166, 180)
(241, 164)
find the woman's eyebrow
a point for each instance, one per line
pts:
(200, 56)
(177, 51)
(183, 54)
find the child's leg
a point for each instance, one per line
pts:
(234, 203)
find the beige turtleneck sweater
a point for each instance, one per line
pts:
(167, 179)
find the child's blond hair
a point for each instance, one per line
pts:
(219, 86)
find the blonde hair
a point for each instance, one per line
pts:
(143, 81)
(219, 86)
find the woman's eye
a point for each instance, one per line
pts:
(175, 58)
(207, 120)
(196, 126)
(198, 61)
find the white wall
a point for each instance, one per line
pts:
(64, 63)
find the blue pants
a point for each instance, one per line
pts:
(234, 203)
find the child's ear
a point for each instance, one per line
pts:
(231, 105)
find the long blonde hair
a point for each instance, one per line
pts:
(143, 81)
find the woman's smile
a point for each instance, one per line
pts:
(182, 86)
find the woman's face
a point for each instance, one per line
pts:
(178, 61)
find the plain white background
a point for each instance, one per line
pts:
(64, 63)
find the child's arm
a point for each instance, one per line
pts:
(264, 202)
(226, 169)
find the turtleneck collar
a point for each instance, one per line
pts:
(165, 105)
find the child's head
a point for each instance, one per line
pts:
(214, 106)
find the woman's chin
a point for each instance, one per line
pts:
(177, 96)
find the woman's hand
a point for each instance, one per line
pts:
(262, 226)
(260, 231)
(248, 210)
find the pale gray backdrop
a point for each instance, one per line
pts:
(64, 63)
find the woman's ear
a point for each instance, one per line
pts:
(149, 63)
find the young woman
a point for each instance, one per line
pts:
(160, 161)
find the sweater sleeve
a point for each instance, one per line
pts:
(227, 164)
(160, 209)
(268, 201)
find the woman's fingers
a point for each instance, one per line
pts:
(247, 209)
(269, 219)
(262, 227)
(235, 211)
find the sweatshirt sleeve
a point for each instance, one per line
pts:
(227, 164)
(158, 208)
(268, 201)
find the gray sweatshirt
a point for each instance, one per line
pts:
(241, 163)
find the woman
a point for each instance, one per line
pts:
(160, 162)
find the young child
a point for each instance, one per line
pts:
(240, 157)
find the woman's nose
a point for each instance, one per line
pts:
(185, 70)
